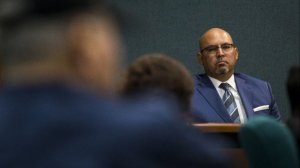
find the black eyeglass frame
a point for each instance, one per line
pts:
(217, 46)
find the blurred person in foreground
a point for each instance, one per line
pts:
(160, 75)
(223, 95)
(293, 89)
(59, 60)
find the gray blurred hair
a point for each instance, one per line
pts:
(34, 41)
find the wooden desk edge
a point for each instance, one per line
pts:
(218, 127)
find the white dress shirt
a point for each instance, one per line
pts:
(235, 93)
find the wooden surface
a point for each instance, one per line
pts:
(218, 127)
(238, 157)
(231, 131)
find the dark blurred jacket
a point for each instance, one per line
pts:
(61, 126)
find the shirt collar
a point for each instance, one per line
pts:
(230, 81)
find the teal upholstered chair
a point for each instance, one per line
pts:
(267, 143)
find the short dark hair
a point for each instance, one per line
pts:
(16, 11)
(34, 29)
(159, 71)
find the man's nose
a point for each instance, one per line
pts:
(220, 51)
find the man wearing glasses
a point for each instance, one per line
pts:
(221, 95)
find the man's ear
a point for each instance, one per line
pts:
(199, 58)
(237, 53)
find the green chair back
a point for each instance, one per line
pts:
(268, 144)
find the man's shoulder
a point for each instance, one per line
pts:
(248, 78)
(203, 79)
(200, 78)
(52, 102)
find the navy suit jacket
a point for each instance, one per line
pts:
(54, 125)
(208, 107)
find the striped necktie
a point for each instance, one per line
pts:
(229, 103)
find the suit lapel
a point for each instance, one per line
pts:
(208, 91)
(245, 94)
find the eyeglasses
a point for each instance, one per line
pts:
(213, 49)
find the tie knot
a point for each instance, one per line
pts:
(224, 86)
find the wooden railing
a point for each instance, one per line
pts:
(218, 127)
(230, 131)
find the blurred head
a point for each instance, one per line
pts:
(74, 41)
(218, 54)
(158, 71)
(293, 86)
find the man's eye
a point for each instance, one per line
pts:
(226, 47)
(210, 49)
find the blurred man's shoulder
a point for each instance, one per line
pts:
(249, 78)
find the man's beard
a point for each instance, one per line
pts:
(222, 70)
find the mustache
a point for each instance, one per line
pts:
(221, 59)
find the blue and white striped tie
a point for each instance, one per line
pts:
(229, 103)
